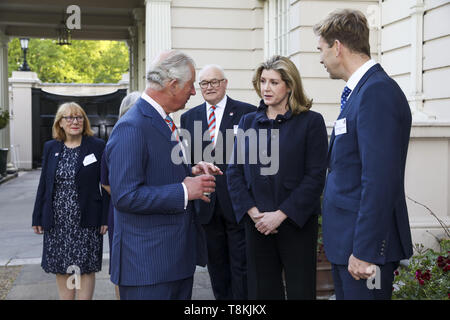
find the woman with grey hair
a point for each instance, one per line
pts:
(126, 104)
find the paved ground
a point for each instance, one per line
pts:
(19, 246)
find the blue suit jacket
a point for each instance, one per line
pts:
(297, 186)
(155, 239)
(233, 112)
(364, 208)
(93, 206)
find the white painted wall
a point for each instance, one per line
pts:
(303, 15)
(228, 33)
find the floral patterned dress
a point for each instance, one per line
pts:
(68, 244)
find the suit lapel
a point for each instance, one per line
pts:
(160, 124)
(84, 149)
(228, 114)
(352, 98)
(53, 159)
(156, 120)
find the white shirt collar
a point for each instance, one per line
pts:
(220, 105)
(154, 104)
(358, 74)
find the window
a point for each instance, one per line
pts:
(276, 27)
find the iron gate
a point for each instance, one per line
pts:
(101, 110)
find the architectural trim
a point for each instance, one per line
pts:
(157, 29)
(416, 94)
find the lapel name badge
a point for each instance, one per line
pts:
(340, 126)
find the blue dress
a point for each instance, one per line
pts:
(67, 243)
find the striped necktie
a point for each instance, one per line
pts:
(172, 126)
(212, 123)
(344, 97)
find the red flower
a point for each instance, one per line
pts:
(421, 282)
(396, 272)
(418, 274)
(441, 262)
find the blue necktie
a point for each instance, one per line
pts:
(344, 96)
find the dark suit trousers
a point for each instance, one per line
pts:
(347, 288)
(174, 290)
(227, 265)
(292, 252)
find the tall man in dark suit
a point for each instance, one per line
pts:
(225, 237)
(157, 238)
(365, 218)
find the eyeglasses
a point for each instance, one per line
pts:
(70, 119)
(215, 83)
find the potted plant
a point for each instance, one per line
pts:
(4, 119)
(427, 275)
(324, 278)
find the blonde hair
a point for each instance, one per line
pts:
(349, 27)
(298, 101)
(69, 108)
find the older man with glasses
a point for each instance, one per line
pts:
(225, 238)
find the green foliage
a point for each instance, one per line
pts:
(4, 118)
(427, 276)
(84, 61)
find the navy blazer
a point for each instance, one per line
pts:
(233, 112)
(156, 239)
(364, 208)
(93, 206)
(297, 186)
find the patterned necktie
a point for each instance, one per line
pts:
(344, 96)
(172, 126)
(212, 123)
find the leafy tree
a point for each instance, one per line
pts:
(85, 61)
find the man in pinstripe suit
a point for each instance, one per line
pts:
(157, 238)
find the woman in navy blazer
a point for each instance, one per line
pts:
(280, 210)
(69, 209)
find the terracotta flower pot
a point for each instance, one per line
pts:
(324, 278)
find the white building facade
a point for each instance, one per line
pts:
(410, 39)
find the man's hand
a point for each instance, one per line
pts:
(198, 186)
(270, 221)
(360, 269)
(205, 168)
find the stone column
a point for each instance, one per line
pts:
(139, 49)
(21, 122)
(132, 51)
(157, 29)
(4, 98)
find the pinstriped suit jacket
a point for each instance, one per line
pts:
(155, 239)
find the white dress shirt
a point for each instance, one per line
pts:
(163, 114)
(358, 74)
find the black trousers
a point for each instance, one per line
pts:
(227, 265)
(289, 254)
